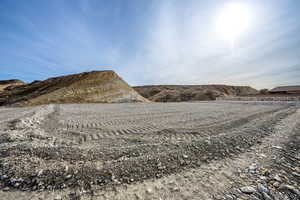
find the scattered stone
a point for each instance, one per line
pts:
(277, 178)
(5, 189)
(252, 167)
(40, 172)
(58, 197)
(262, 189)
(284, 187)
(266, 196)
(69, 176)
(276, 184)
(248, 189)
(296, 174)
(149, 191)
(185, 156)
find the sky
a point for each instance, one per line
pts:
(256, 43)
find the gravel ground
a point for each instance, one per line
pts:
(199, 150)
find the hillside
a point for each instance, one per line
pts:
(177, 93)
(87, 87)
(6, 84)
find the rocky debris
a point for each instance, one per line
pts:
(87, 87)
(83, 162)
(177, 93)
(277, 182)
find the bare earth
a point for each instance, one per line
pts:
(163, 151)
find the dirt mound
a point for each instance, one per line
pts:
(177, 93)
(87, 87)
(8, 84)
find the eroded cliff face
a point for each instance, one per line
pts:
(177, 93)
(87, 87)
(8, 84)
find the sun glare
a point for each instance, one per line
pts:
(233, 20)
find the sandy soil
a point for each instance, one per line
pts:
(200, 150)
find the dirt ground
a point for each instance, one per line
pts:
(163, 151)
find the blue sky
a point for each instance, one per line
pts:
(150, 41)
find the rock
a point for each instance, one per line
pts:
(5, 189)
(284, 187)
(296, 174)
(58, 197)
(276, 184)
(69, 176)
(185, 156)
(266, 196)
(277, 178)
(149, 191)
(262, 189)
(248, 189)
(40, 172)
(252, 167)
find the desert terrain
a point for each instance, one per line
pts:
(188, 150)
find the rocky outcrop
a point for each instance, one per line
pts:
(177, 93)
(87, 87)
(8, 84)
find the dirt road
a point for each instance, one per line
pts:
(201, 150)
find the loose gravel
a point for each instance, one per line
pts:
(125, 151)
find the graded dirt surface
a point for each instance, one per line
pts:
(163, 151)
(179, 93)
(87, 87)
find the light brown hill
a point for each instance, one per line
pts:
(87, 87)
(177, 93)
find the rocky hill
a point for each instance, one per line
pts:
(177, 93)
(6, 84)
(87, 87)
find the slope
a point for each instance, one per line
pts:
(86, 87)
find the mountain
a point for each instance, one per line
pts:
(87, 87)
(177, 93)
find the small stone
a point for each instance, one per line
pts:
(58, 197)
(265, 172)
(185, 156)
(175, 189)
(262, 189)
(266, 196)
(290, 188)
(296, 174)
(248, 189)
(263, 178)
(252, 168)
(5, 189)
(149, 190)
(276, 184)
(68, 176)
(277, 178)
(40, 172)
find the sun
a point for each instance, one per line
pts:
(233, 20)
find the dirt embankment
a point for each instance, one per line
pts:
(177, 93)
(87, 87)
